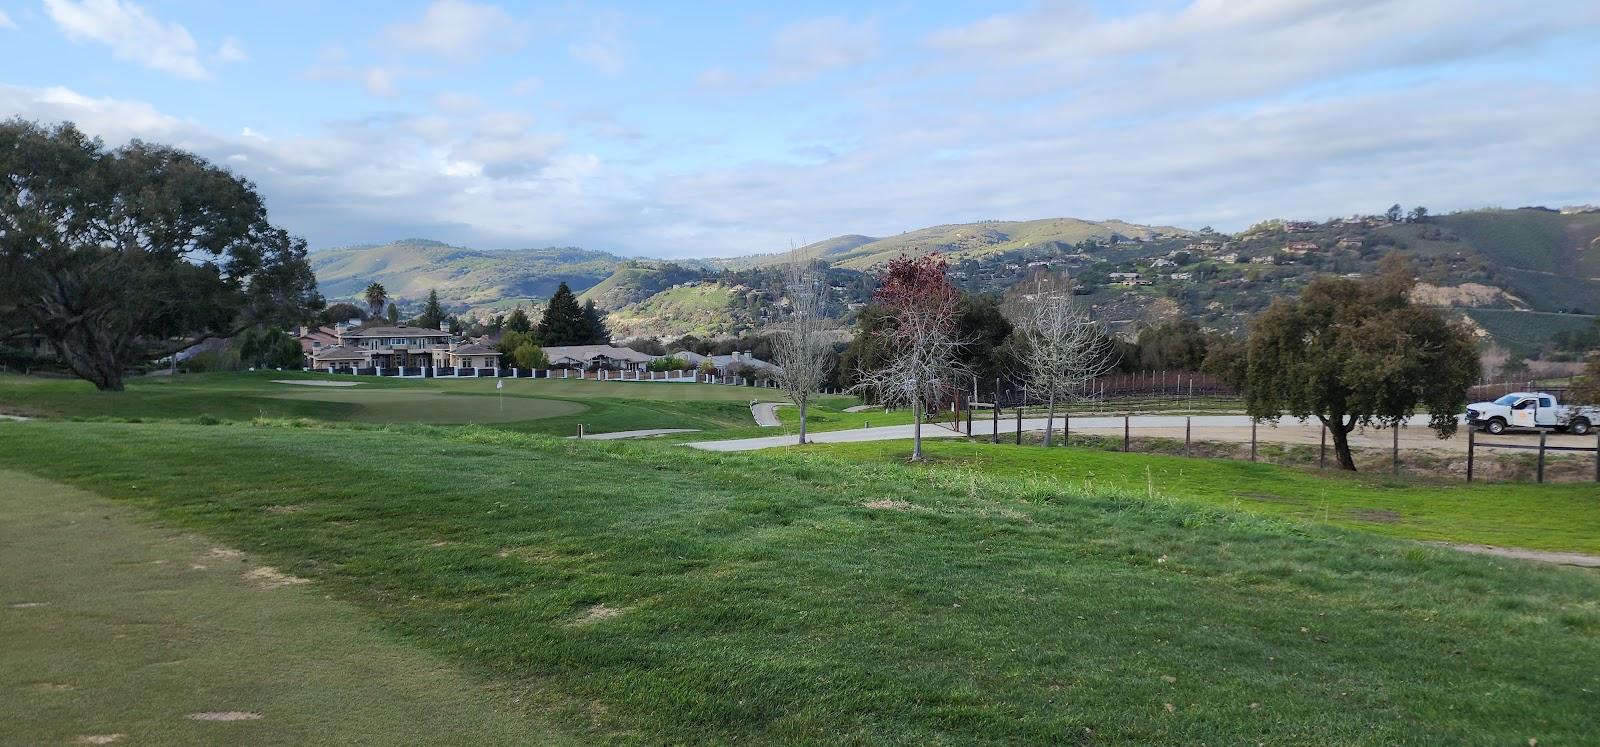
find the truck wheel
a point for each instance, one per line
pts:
(1496, 426)
(1578, 427)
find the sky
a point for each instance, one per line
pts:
(727, 128)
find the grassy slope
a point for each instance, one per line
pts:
(552, 406)
(703, 310)
(1524, 332)
(964, 240)
(143, 625)
(1544, 517)
(409, 269)
(763, 601)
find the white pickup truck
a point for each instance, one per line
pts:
(1531, 410)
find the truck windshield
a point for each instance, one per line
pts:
(1509, 399)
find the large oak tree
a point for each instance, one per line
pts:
(117, 256)
(1354, 352)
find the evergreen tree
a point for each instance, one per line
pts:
(563, 321)
(594, 325)
(518, 321)
(393, 314)
(432, 311)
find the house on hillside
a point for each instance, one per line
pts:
(590, 357)
(1299, 226)
(1301, 247)
(722, 363)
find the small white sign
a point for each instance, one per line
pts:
(499, 383)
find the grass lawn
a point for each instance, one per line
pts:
(646, 593)
(550, 406)
(1542, 517)
(111, 626)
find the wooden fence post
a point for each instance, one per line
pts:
(1597, 457)
(1541, 456)
(1322, 451)
(1252, 439)
(1019, 426)
(1188, 422)
(1066, 429)
(1472, 445)
(1125, 439)
(996, 417)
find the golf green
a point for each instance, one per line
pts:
(425, 406)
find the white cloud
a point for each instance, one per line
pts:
(456, 101)
(131, 33)
(457, 29)
(603, 48)
(805, 50)
(6, 22)
(379, 81)
(230, 50)
(526, 85)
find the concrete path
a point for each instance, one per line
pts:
(766, 413)
(1543, 556)
(1205, 427)
(862, 408)
(315, 382)
(646, 433)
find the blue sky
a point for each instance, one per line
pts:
(721, 128)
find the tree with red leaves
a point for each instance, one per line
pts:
(920, 337)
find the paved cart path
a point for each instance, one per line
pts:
(766, 413)
(1204, 428)
(645, 433)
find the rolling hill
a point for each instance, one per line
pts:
(408, 269)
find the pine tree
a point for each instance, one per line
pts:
(518, 321)
(594, 325)
(394, 314)
(432, 311)
(563, 322)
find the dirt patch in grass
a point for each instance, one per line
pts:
(1375, 515)
(595, 614)
(267, 577)
(284, 509)
(224, 553)
(100, 738)
(224, 716)
(889, 504)
(27, 605)
(51, 687)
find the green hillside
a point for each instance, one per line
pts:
(636, 281)
(975, 240)
(408, 269)
(705, 310)
(1525, 332)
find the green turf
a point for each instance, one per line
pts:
(1544, 517)
(109, 626)
(421, 406)
(787, 597)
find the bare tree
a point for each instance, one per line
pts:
(921, 339)
(802, 347)
(1062, 348)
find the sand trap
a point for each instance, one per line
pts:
(315, 382)
(224, 716)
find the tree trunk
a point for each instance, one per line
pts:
(802, 422)
(91, 356)
(1341, 440)
(1050, 420)
(916, 427)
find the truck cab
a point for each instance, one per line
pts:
(1529, 410)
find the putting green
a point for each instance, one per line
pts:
(425, 406)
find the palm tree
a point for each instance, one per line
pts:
(376, 298)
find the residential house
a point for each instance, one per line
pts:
(589, 357)
(388, 346)
(1299, 226)
(723, 362)
(1300, 247)
(1349, 242)
(313, 339)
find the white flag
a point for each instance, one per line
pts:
(499, 383)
